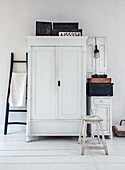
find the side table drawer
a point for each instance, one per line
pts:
(101, 101)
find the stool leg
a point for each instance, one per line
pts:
(79, 140)
(103, 139)
(98, 132)
(84, 138)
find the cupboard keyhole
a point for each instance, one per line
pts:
(58, 83)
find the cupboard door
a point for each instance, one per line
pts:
(90, 57)
(101, 106)
(69, 77)
(43, 101)
(103, 112)
(96, 65)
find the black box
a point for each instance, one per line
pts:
(99, 89)
(64, 26)
(43, 28)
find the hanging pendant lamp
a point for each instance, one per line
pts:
(96, 51)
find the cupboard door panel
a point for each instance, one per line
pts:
(101, 106)
(69, 66)
(96, 65)
(43, 83)
(103, 112)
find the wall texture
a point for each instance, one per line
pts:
(96, 18)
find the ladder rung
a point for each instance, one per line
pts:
(17, 110)
(19, 61)
(18, 123)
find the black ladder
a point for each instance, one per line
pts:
(8, 93)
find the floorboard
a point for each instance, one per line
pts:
(58, 153)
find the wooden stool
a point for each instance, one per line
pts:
(89, 120)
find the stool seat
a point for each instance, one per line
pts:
(89, 119)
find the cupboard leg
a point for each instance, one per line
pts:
(28, 139)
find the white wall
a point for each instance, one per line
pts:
(96, 18)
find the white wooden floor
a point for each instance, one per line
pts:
(57, 153)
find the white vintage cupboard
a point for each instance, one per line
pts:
(56, 85)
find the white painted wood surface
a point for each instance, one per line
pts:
(96, 65)
(43, 83)
(57, 153)
(53, 59)
(69, 74)
(101, 106)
